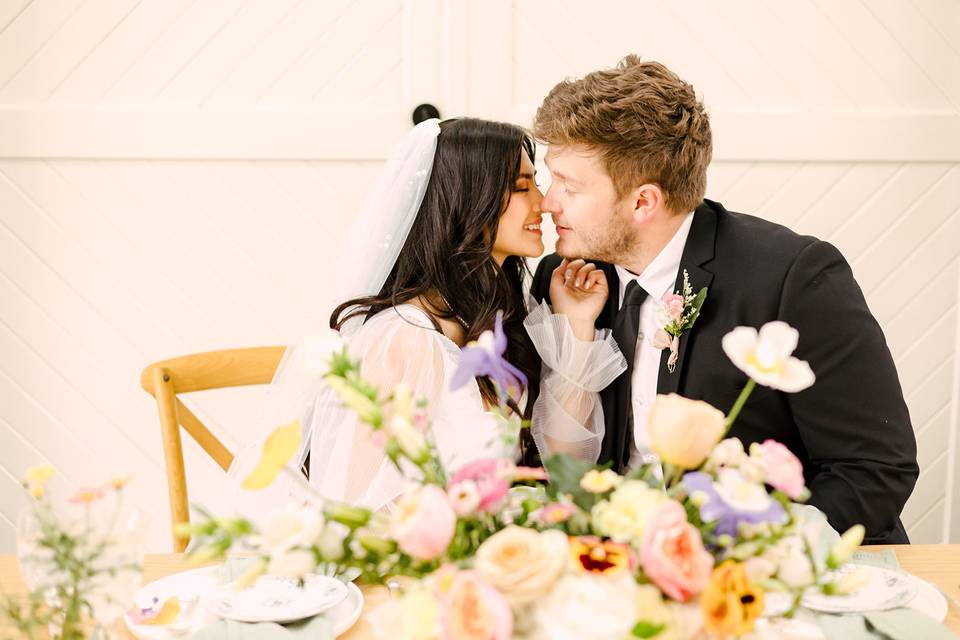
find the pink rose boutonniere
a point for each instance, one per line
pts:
(678, 312)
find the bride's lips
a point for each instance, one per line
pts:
(534, 227)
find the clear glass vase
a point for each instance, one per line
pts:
(84, 559)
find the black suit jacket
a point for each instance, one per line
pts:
(851, 430)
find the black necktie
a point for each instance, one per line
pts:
(626, 329)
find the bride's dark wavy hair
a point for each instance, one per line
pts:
(449, 248)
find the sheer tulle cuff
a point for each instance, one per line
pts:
(555, 431)
(590, 366)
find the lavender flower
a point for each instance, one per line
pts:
(485, 358)
(732, 500)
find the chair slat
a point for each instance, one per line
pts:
(199, 372)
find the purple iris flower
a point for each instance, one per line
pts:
(755, 506)
(485, 358)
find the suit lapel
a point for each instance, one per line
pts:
(698, 251)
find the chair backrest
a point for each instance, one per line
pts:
(198, 372)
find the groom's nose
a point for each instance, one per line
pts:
(549, 203)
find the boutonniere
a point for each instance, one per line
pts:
(678, 312)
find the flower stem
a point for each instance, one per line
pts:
(738, 405)
(303, 483)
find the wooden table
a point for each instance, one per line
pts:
(940, 564)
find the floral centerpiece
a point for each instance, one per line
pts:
(495, 550)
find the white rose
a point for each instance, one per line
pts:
(585, 606)
(291, 526)
(625, 514)
(331, 541)
(759, 568)
(727, 453)
(293, 563)
(795, 570)
(754, 469)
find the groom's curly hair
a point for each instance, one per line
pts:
(644, 120)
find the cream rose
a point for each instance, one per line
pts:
(625, 515)
(683, 431)
(522, 564)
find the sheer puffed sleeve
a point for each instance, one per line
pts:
(568, 416)
(399, 345)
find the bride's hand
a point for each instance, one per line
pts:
(578, 290)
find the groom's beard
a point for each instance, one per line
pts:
(612, 245)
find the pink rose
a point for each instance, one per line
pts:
(672, 553)
(556, 512)
(674, 305)
(529, 473)
(492, 479)
(423, 523)
(473, 610)
(784, 471)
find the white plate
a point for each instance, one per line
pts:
(928, 600)
(884, 589)
(276, 599)
(198, 583)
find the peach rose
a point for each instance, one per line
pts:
(522, 564)
(672, 553)
(473, 610)
(682, 431)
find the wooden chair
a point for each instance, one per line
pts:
(199, 372)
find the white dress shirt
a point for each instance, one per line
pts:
(657, 279)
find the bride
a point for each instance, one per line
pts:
(437, 250)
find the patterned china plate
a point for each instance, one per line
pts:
(198, 584)
(276, 599)
(884, 589)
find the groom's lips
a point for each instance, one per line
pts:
(562, 230)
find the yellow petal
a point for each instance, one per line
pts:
(39, 474)
(250, 576)
(168, 612)
(278, 449)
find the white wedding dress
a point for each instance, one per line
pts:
(401, 345)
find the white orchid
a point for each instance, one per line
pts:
(767, 356)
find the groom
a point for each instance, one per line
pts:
(628, 154)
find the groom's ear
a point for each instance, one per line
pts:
(646, 200)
